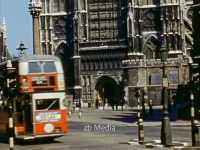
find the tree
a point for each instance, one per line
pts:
(12, 87)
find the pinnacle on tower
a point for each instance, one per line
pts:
(35, 7)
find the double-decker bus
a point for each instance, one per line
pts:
(38, 108)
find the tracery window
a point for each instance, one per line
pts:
(104, 18)
(60, 27)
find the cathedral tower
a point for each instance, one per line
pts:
(35, 7)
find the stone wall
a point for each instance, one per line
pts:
(140, 74)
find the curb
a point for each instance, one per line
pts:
(152, 124)
(157, 144)
(187, 148)
(145, 124)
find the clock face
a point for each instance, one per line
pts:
(60, 27)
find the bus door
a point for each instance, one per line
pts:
(23, 116)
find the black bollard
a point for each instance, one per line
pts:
(196, 133)
(140, 131)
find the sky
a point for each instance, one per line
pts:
(18, 24)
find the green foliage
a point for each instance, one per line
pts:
(12, 88)
(194, 73)
(2, 78)
(183, 114)
(195, 85)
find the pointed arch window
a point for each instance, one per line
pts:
(150, 47)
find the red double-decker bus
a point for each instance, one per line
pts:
(38, 108)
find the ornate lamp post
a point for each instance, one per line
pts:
(22, 49)
(194, 71)
(140, 120)
(9, 72)
(166, 137)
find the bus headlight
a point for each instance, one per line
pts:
(48, 128)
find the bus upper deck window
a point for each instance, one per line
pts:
(34, 67)
(42, 67)
(49, 66)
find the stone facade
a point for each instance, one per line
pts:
(109, 47)
(156, 23)
(53, 27)
(148, 74)
(3, 48)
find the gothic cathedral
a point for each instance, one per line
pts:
(111, 47)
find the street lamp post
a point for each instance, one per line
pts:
(9, 69)
(166, 137)
(194, 69)
(22, 49)
(144, 99)
(140, 120)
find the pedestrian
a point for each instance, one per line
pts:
(116, 104)
(111, 102)
(171, 103)
(100, 103)
(151, 108)
(74, 106)
(122, 103)
(97, 103)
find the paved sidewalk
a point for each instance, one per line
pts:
(128, 117)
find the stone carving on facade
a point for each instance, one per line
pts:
(59, 26)
(149, 16)
(189, 29)
(35, 7)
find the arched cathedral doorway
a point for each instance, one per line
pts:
(107, 91)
